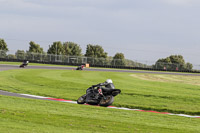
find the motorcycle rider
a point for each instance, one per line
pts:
(91, 92)
(25, 63)
(108, 85)
(80, 67)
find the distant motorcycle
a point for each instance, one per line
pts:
(99, 96)
(24, 64)
(80, 67)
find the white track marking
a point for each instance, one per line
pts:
(33, 96)
(70, 102)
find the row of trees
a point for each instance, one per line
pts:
(68, 49)
(173, 62)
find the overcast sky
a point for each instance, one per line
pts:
(144, 30)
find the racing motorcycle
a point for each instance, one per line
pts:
(80, 67)
(99, 96)
(24, 64)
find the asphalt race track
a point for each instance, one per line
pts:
(18, 95)
(9, 67)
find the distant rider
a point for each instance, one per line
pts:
(25, 62)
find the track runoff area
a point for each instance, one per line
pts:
(9, 67)
(74, 102)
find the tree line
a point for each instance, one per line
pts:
(173, 62)
(68, 49)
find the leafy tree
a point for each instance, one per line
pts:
(95, 51)
(3, 48)
(177, 59)
(136, 64)
(162, 63)
(119, 60)
(34, 52)
(20, 54)
(3, 45)
(11, 56)
(35, 48)
(56, 48)
(2, 54)
(71, 49)
(97, 54)
(119, 56)
(173, 62)
(188, 66)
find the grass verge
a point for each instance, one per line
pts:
(168, 93)
(30, 116)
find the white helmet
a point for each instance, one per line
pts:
(109, 81)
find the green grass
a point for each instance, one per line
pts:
(19, 115)
(167, 93)
(176, 94)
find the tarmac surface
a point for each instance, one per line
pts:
(10, 67)
(18, 95)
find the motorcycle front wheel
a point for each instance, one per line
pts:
(106, 101)
(81, 100)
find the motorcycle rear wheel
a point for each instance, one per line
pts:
(81, 100)
(109, 99)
